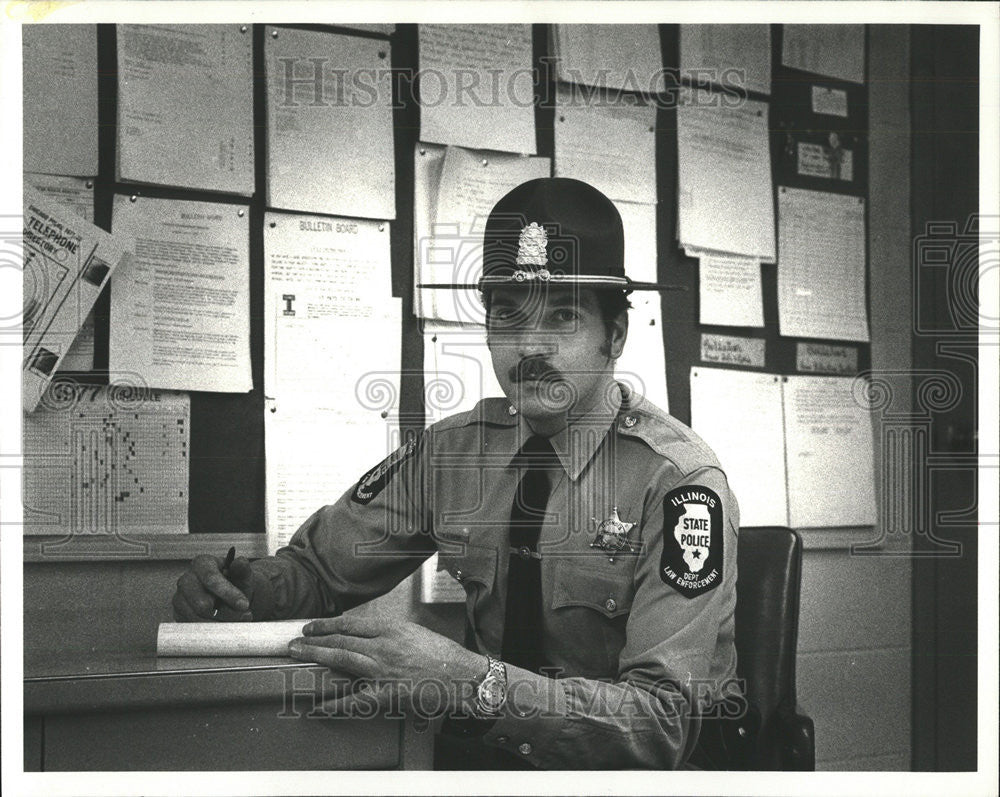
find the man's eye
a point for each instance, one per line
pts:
(565, 315)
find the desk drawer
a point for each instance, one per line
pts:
(250, 736)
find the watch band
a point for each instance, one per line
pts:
(495, 678)
(477, 724)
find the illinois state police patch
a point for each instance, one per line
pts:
(691, 561)
(375, 480)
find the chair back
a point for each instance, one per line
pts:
(767, 624)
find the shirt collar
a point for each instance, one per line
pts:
(576, 444)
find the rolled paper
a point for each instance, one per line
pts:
(227, 639)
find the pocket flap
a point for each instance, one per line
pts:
(605, 592)
(469, 562)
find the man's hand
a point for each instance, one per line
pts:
(402, 657)
(202, 588)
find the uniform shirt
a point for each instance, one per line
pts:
(638, 635)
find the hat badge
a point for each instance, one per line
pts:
(531, 246)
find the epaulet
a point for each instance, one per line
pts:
(491, 411)
(664, 434)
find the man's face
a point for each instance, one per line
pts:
(551, 351)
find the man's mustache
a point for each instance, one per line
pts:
(532, 369)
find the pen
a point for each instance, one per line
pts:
(225, 571)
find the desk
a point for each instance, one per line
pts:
(112, 713)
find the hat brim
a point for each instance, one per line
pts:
(595, 283)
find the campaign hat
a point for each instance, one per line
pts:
(554, 231)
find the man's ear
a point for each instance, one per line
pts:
(617, 334)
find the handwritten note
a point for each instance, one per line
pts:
(821, 358)
(732, 350)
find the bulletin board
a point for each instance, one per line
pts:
(227, 468)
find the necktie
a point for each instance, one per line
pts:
(522, 637)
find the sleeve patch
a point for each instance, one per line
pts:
(374, 481)
(691, 561)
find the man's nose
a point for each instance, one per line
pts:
(535, 344)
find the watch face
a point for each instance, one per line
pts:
(491, 693)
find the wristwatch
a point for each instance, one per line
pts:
(491, 694)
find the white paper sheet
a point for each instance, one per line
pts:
(834, 50)
(821, 268)
(313, 455)
(330, 320)
(471, 184)
(75, 194)
(329, 124)
(729, 289)
(228, 639)
(185, 106)
(346, 357)
(80, 356)
(724, 176)
(613, 56)
(101, 460)
(730, 55)
(476, 86)
(458, 369)
(386, 28)
(60, 99)
(832, 102)
(439, 586)
(612, 147)
(831, 477)
(739, 415)
(427, 162)
(67, 263)
(180, 311)
(639, 224)
(643, 362)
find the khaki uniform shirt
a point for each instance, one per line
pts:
(637, 633)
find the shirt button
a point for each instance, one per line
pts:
(524, 749)
(512, 410)
(502, 740)
(610, 604)
(630, 421)
(459, 575)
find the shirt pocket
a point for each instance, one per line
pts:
(606, 591)
(469, 564)
(475, 568)
(589, 612)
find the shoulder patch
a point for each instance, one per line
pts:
(375, 480)
(691, 561)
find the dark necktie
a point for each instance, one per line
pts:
(522, 635)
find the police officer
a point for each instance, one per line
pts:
(595, 535)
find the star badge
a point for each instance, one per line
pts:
(612, 534)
